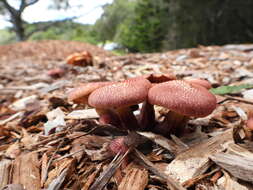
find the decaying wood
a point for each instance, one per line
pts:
(195, 160)
(135, 179)
(26, 171)
(4, 172)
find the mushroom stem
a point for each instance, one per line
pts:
(147, 116)
(173, 123)
(127, 118)
(107, 116)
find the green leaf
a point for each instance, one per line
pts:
(230, 89)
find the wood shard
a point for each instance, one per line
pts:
(135, 179)
(195, 160)
(230, 183)
(26, 171)
(4, 172)
(239, 166)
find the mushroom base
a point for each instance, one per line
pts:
(107, 116)
(147, 116)
(173, 123)
(127, 118)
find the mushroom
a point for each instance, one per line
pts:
(57, 72)
(183, 99)
(80, 96)
(147, 113)
(206, 84)
(248, 129)
(80, 59)
(120, 97)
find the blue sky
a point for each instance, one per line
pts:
(89, 9)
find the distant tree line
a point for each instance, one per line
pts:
(145, 25)
(156, 25)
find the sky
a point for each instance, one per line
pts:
(90, 11)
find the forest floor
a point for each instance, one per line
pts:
(45, 143)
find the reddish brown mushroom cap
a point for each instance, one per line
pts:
(204, 83)
(183, 98)
(249, 124)
(80, 94)
(121, 94)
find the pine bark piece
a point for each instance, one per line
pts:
(26, 171)
(4, 172)
(135, 179)
(195, 160)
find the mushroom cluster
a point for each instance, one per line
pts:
(116, 101)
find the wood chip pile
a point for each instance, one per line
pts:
(47, 142)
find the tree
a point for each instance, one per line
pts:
(145, 30)
(114, 14)
(15, 15)
(205, 22)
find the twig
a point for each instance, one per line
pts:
(236, 99)
(68, 155)
(194, 180)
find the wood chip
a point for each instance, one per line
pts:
(238, 165)
(163, 142)
(26, 171)
(195, 160)
(227, 182)
(135, 179)
(4, 172)
(82, 114)
(174, 185)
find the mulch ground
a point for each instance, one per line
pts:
(45, 144)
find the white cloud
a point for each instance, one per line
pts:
(89, 10)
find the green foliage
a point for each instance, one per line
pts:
(144, 31)
(6, 36)
(205, 22)
(66, 31)
(230, 89)
(114, 14)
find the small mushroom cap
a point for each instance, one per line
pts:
(206, 84)
(80, 59)
(249, 124)
(183, 98)
(121, 94)
(79, 95)
(118, 145)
